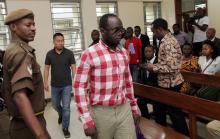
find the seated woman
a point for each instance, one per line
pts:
(189, 63)
(209, 62)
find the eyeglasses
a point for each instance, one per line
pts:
(117, 30)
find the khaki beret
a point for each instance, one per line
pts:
(16, 15)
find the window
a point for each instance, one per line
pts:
(152, 10)
(66, 19)
(4, 35)
(104, 8)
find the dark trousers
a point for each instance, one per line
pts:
(134, 72)
(176, 115)
(142, 104)
(4, 124)
(19, 130)
(197, 48)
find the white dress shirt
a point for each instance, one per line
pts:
(208, 68)
(151, 62)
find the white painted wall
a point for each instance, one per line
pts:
(131, 13)
(89, 19)
(168, 12)
(213, 11)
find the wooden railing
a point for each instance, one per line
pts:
(194, 106)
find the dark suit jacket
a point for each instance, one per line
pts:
(145, 42)
(217, 45)
(151, 79)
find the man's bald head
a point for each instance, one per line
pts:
(210, 34)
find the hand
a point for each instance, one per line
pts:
(43, 136)
(142, 66)
(91, 131)
(136, 118)
(46, 86)
(194, 22)
(145, 66)
(150, 67)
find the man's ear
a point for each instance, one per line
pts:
(102, 30)
(12, 27)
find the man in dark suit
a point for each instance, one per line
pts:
(144, 40)
(210, 34)
(147, 78)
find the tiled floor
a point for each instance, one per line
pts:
(55, 129)
(76, 129)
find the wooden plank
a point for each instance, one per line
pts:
(185, 102)
(202, 79)
(152, 130)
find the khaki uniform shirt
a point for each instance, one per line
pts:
(21, 71)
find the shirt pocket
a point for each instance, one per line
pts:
(123, 61)
(36, 67)
(37, 77)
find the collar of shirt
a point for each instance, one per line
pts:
(152, 60)
(109, 48)
(213, 39)
(167, 36)
(180, 33)
(139, 36)
(207, 61)
(54, 50)
(24, 45)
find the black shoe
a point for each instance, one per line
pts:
(66, 132)
(60, 120)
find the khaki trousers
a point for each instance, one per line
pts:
(113, 122)
(4, 124)
(213, 128)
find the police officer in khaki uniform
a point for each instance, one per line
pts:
(23, 84)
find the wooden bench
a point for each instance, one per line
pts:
(152, 130)
(195, 107)
(202, 79)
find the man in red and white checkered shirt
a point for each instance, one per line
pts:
(103, 86)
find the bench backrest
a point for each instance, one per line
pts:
(202, 79)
